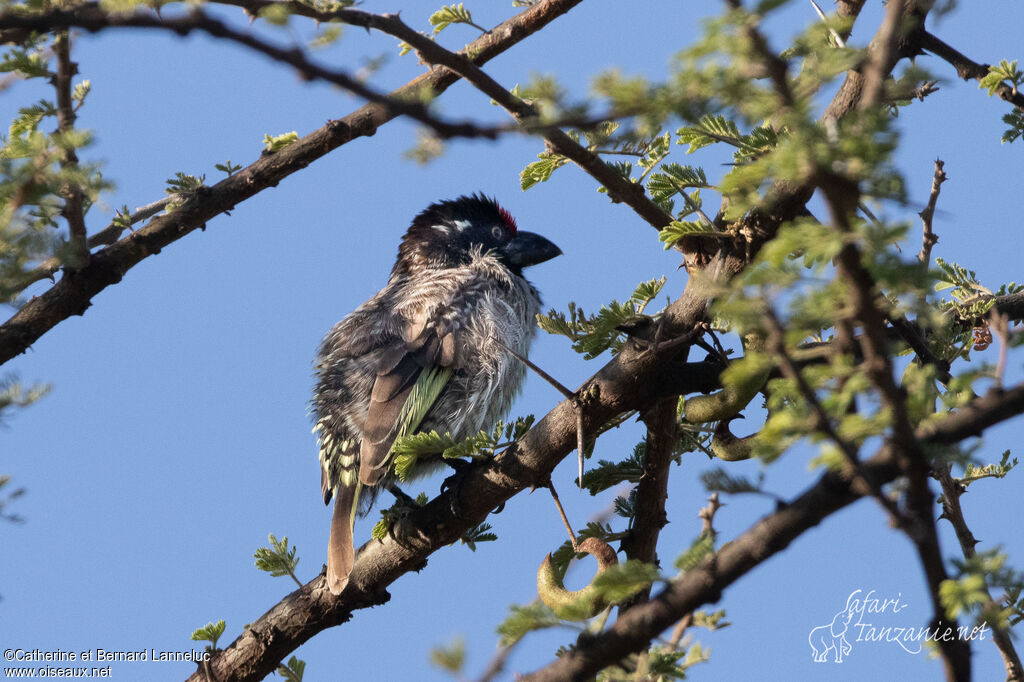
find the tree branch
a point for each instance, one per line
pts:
(952, 490)
(968, 69)
(928, 237)
(72, 295)
(93, 18)
(706, 583)
(918, 523)
(651, 491)
(72, 209)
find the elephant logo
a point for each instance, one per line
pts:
(832, 637)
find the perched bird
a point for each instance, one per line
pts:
(428, 351)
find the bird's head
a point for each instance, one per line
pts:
(446, 233)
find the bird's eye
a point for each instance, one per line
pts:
(497, 232)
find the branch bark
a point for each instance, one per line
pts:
(652, 490)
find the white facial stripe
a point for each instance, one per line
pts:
(443, 229)
(461, 225)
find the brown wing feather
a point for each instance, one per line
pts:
(397, 371)
(390, 392)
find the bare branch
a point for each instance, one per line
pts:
(929, 238)
(72, 209)
(92, 18)
(73, 293)
(969, 69)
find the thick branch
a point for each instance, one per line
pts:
(72, 295)
(652, 489)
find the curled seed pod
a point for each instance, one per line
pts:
(728, 447)
(579, 604)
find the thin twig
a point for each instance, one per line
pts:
(569, 395)
(928, 237)
(72, 209)
(707, 516)
(561, 512)
(1000, 326)
(968, 69)
(566, 393)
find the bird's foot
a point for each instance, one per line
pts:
(454, 482)
(395, 520)
(401, 497)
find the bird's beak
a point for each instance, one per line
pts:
(527, 249)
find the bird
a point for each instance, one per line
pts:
(429, 351)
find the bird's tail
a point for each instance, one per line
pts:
(341, 549)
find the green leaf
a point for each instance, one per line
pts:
(626, 506)
(960, 595)
(1003, 71)
(974, 473)
(646, 292)
(622, 581)
(720, 480)
(276, 13)
(1014, 119)
(30, 117)
(380, 529)
(27, 64)
(701, 547)
(680, 229)
(278, 559)
(448, 15)
(210, 632)
(540, 171)
(273, 144)
(327, 37)
(294, 671)
(709, 130)
(451, 657)
(182, 183)
(480, 533)
(525, 619)
(610, 474)
(227, 167)
(711, 621)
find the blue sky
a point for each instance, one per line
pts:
(176, 437)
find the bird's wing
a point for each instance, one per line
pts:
(411, 375)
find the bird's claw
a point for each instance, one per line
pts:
(453, 483)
